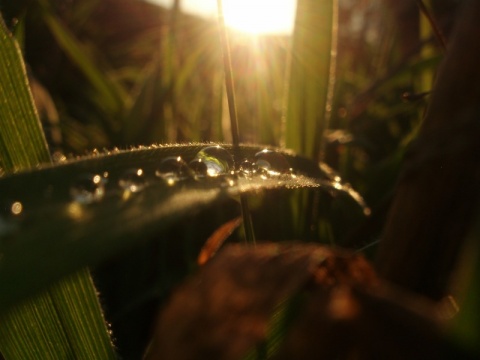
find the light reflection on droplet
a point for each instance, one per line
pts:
(132, 181)
(228, 181)
(16, 208)
(199, 168)
(271, 163)
(247, 169)
(88, 189)
(212, 161)
(172, 170)
(58, 157)
(11, 213)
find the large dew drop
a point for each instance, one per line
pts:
(212, 161)
(271, 163)
(132, 180)
(88, 189)
(172, 170)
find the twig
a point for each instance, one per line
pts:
(433, 23)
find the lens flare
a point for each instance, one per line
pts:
(260, 16)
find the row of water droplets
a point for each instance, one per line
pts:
(210, 162)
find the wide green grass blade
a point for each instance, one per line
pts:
(22, 144)
(311, 77)
(309, 89)
(66, 320)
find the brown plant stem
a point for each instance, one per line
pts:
(437, 194)
(433, 23)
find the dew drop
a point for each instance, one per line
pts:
(228, 181)
(88, 189)
(11, 209)
(173, 169)
(132, 180)
(199, 168)
(58, 157)
(271, 163)
(247, 169)
(337, 185)
(16, 208)
(12, 213)
(212, 161)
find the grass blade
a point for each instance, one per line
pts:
(312, 75)
(21, 146)
(66, 320)
(72, 235)
(111, 95)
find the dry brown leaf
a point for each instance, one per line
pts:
(215, 241)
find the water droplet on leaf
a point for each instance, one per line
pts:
(212, 161)
(247, 169)
(16, 208)
(88, 189)
(199, 168)
(11, 214)
(271, 163)
(132, 180)
(173, 169)
(58, 157)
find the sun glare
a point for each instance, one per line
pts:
(260, 16)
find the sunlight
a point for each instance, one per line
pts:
(260, 16)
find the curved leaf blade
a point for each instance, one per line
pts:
(56, 235)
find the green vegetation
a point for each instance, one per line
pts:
(130, 98)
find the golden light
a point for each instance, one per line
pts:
(260, 16)
(17, 208)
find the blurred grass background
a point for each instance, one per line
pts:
(122, 73)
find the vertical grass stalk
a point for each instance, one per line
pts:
(309, 91)
(232, 108)
(311, 76)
